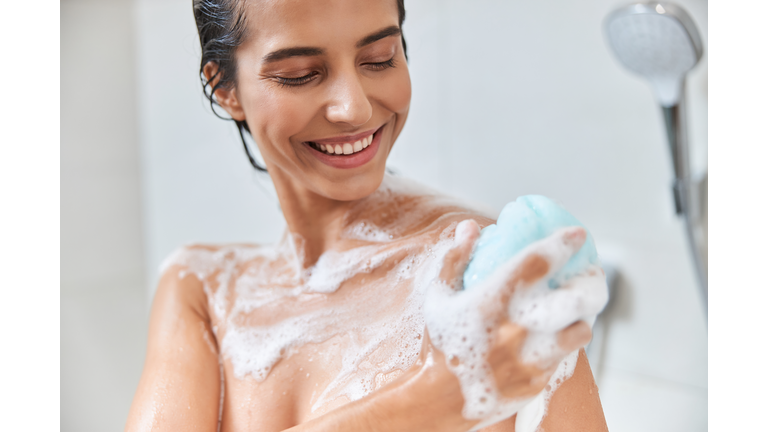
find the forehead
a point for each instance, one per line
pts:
(276, 24)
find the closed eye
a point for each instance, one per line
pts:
(296, 81)
(299, 81)
(381, 65)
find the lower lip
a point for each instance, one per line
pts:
(353, 160)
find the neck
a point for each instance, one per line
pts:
(314, 221)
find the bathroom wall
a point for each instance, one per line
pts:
(103, 286)
(509, 98)
(512, 98)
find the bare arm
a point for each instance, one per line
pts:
(180, 385)
(575, 406)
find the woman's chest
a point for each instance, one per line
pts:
(292, 351)
(315, 378)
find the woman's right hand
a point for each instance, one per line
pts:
(513, 377)
(428, 396)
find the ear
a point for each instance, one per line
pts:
(226, 97)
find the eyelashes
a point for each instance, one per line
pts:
(300, 81)
(295, 82)
(382, 65)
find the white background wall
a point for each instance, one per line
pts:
(509, 98)
(103, 286)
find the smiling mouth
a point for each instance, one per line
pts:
(343, 148)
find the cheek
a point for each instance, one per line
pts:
(396, 95)
(275, 116)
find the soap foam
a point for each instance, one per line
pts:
(266, 309)
(464, 335)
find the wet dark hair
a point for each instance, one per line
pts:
(221, 25)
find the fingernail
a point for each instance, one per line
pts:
(575, 235)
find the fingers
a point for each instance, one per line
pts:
(545, 257)
(547, 310)
(574, 336)
(513, 377)
(456, 260)
(539, 261)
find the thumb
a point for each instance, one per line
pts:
(456, 260)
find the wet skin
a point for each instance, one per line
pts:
(181, 384)
(345, 91)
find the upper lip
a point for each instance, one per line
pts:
(344, 139)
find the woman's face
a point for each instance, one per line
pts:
(320, 77)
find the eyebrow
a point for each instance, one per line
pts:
(285, 53)
(292, 52)
(381, 34)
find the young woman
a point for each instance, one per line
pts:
(326, 330)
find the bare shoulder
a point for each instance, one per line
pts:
(403, 207)
(180, 384)
(204, 259)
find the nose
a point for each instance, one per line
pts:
(348, 102)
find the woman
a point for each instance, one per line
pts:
(326, 330)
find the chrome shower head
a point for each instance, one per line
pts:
(658, 41)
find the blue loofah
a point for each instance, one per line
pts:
(522, 222)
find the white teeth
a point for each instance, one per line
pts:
(346, 148)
